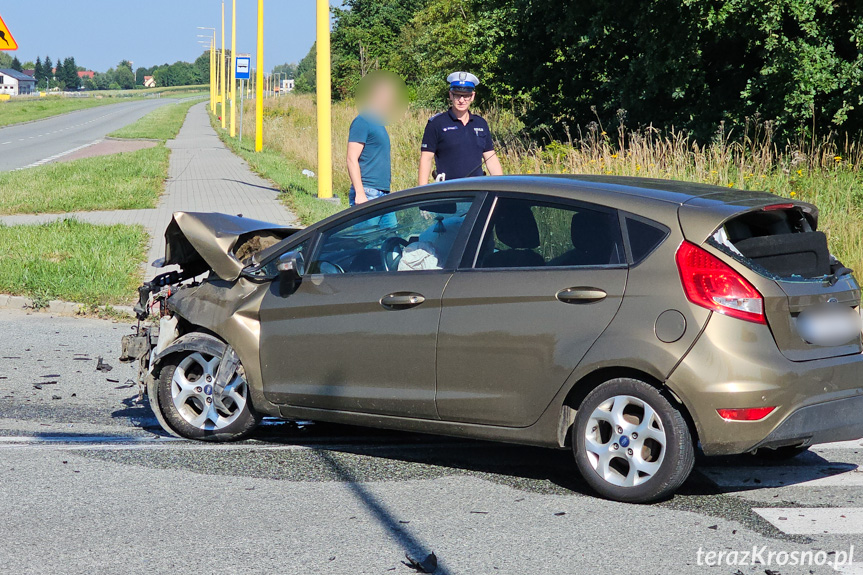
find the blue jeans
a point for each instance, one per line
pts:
(384, 221)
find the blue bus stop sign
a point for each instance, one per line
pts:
(242, 69)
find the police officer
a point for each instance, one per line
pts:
(458, 141)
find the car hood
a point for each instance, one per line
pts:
(200, 240)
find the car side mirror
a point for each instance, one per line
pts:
(292, 267)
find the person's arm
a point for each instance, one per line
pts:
(425, 167)
(354, 173)
(492, 163)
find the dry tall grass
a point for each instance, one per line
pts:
(825, 172)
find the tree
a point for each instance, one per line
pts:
(124, 75)
(202, 68)
(38, 73)
(70, 74)
(48, 68)
(16, 64)
(307, 72)
(5, 60)
(139, 76)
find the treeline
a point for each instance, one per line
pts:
(698, 65)
(64, 74)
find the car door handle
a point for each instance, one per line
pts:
(581, 295)
(402, 300)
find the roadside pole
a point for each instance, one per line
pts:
(224, 95)
(213, 74)
(234, 70)
(324, 97)
(259, 82)
(243, 62)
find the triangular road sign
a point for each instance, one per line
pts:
(7, 42)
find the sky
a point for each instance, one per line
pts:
(100, 33)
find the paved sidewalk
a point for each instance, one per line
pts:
(204, 176)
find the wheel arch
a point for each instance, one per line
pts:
(590, 381)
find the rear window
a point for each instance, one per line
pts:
(779, 242)
(644, 237)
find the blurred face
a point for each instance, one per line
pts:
(461, 101)
(383, 94)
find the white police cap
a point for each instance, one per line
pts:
(462, 81)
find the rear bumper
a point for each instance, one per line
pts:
(838, 420)
(736, 364)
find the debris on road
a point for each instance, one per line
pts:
(427, 565)
(102, 366)
(56, 397)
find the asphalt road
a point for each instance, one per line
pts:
(89, 484)
(34, 143)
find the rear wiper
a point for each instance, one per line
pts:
(833, 279)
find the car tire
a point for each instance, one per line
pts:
(184, 390)
(631, 443)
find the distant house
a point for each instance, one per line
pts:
(86, 74)
(149, 82)
(288, 85)
(31, 73)
(16, 83)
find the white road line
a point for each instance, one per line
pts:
(60, 155)
(827, 475)
(4, 143)
(814, 520)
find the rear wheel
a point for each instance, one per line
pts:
(631, 444)
(194, 409)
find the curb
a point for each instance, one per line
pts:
(59, 307)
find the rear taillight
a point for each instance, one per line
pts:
(745, 414)
(714, 285)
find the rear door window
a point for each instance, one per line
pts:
(527, 233)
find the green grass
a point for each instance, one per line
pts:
(72, 261)
(17, 111)
(131, 180)
(298, 192)
(161, 124)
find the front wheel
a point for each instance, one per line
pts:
(631, 444)
(192, 408)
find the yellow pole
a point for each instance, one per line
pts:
(224, 98)
(259, 82)
(233, 70)
(324, 96)
(213, 74)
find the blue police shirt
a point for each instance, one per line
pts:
(375, 165)
(458, 148)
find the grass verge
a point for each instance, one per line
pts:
(72, 261)
(161, 124)
(131, 180)
(298, 192)
(17, 111)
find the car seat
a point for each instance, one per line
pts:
(515, 227)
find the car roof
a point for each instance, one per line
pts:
(667, 191)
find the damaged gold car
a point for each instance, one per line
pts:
(631, 320)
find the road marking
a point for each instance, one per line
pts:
(814, 520)
(58, 156)
(827, 475)
(4, 143)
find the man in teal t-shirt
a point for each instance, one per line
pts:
(369, 165)
(380, 97)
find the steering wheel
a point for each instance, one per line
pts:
(325, 267)
(392, 250)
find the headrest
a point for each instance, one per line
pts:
(515, 225)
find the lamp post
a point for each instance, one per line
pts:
(212, 67)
